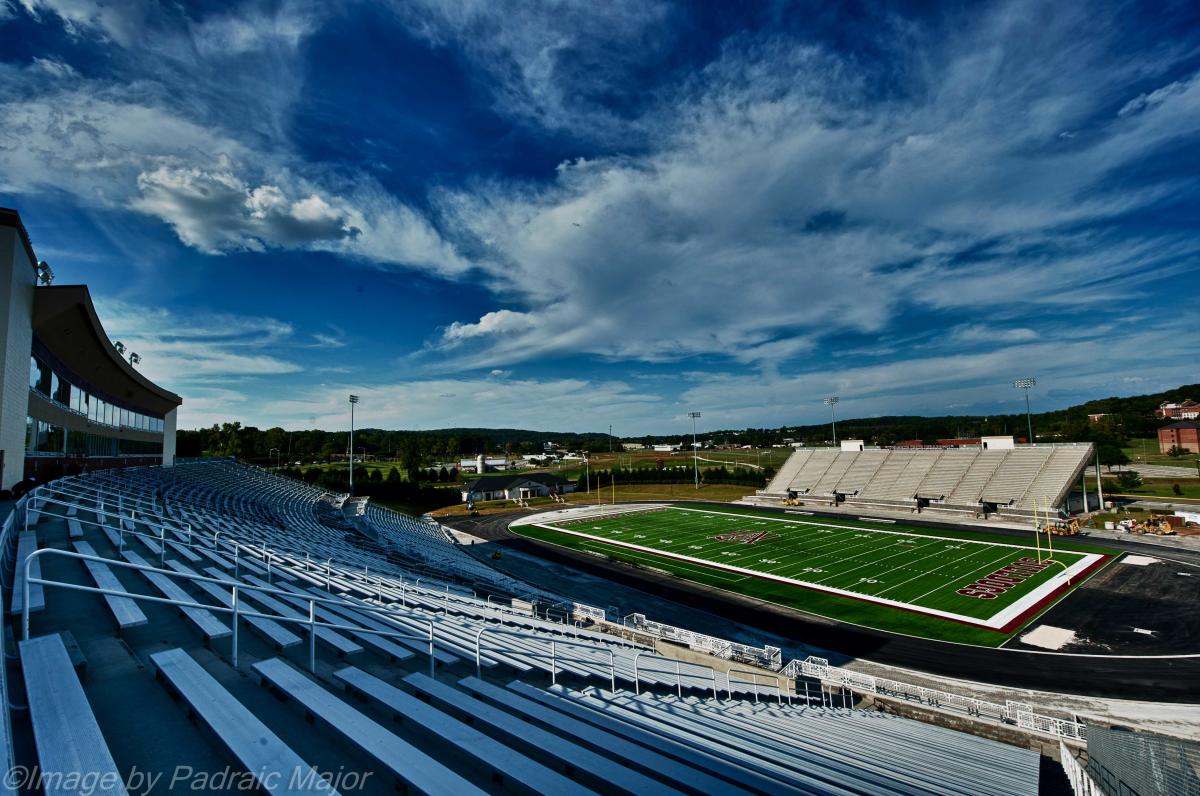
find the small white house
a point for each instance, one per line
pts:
(517, 486)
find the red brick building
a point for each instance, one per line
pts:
(1185, 434)
(1186, 409)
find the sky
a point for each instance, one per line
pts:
(567, 214)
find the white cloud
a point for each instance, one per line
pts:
(783, 203)
(215, 210)
(120, 21)
(550, 404)
(201, 356)
(553, 64)
(1080, 368)
(493, 323)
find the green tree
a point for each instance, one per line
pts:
(1129, 479)
(393, 476)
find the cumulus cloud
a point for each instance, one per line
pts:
(215, 210)
(493, 323)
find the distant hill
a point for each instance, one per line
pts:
(1126, 418)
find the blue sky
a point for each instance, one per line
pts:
(566, 214)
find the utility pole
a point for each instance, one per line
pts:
(1026, 385)
(610, 439)
(695, 450)
(353, 401)
(831, 402)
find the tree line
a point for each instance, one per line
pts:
(1124, 419)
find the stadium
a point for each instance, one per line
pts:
(207, 625)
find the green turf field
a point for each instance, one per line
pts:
(955, 586)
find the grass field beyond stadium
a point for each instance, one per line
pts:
(955, 586)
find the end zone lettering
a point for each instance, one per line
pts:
(991, 586)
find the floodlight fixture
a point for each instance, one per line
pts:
(134, 357)
(831, 402)
(353, 401)
(120, 347)
(45, 274)
(1027, 385)
(695, 450)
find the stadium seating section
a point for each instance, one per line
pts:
(968, 481)
(369, 641)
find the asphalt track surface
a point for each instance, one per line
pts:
(1149, 678)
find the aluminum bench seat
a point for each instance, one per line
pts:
(124, 609)
(783, 777)
(828, 760)
(184, 551)
(152, 543)
(334, 639)
(27, 544)
(466, 739)
(610, 743)
(273, 631)
(662, 744)
(65, 731)
(329, 613)
(412, 766)
(413, 625)
(276, 768)
(74, 529)
(113, 536)
(608, 773)
(209, 625)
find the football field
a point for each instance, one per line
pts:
(989, 584)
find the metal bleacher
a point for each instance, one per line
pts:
(1014, 482)
(357, 665)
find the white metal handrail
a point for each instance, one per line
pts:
(1016, 713)
(555, 658)
(637, 686)
(235, 609)
(780, 684)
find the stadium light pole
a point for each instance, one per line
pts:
(831, 402)
(353, 401)
(695, 451)
(1026, 385)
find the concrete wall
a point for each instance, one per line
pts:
(169, 438)
(17, 280)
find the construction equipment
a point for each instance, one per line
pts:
(1157, 524)
(1069, 527)
(1154, 524)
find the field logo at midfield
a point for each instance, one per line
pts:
(1003, 579)
(745, 537)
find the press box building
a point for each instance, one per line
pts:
(69, 400)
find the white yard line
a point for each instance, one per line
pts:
(885, 558)
(860, 528)
(924, 574)
(994, 622)
(987, 569)
(706, 571)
